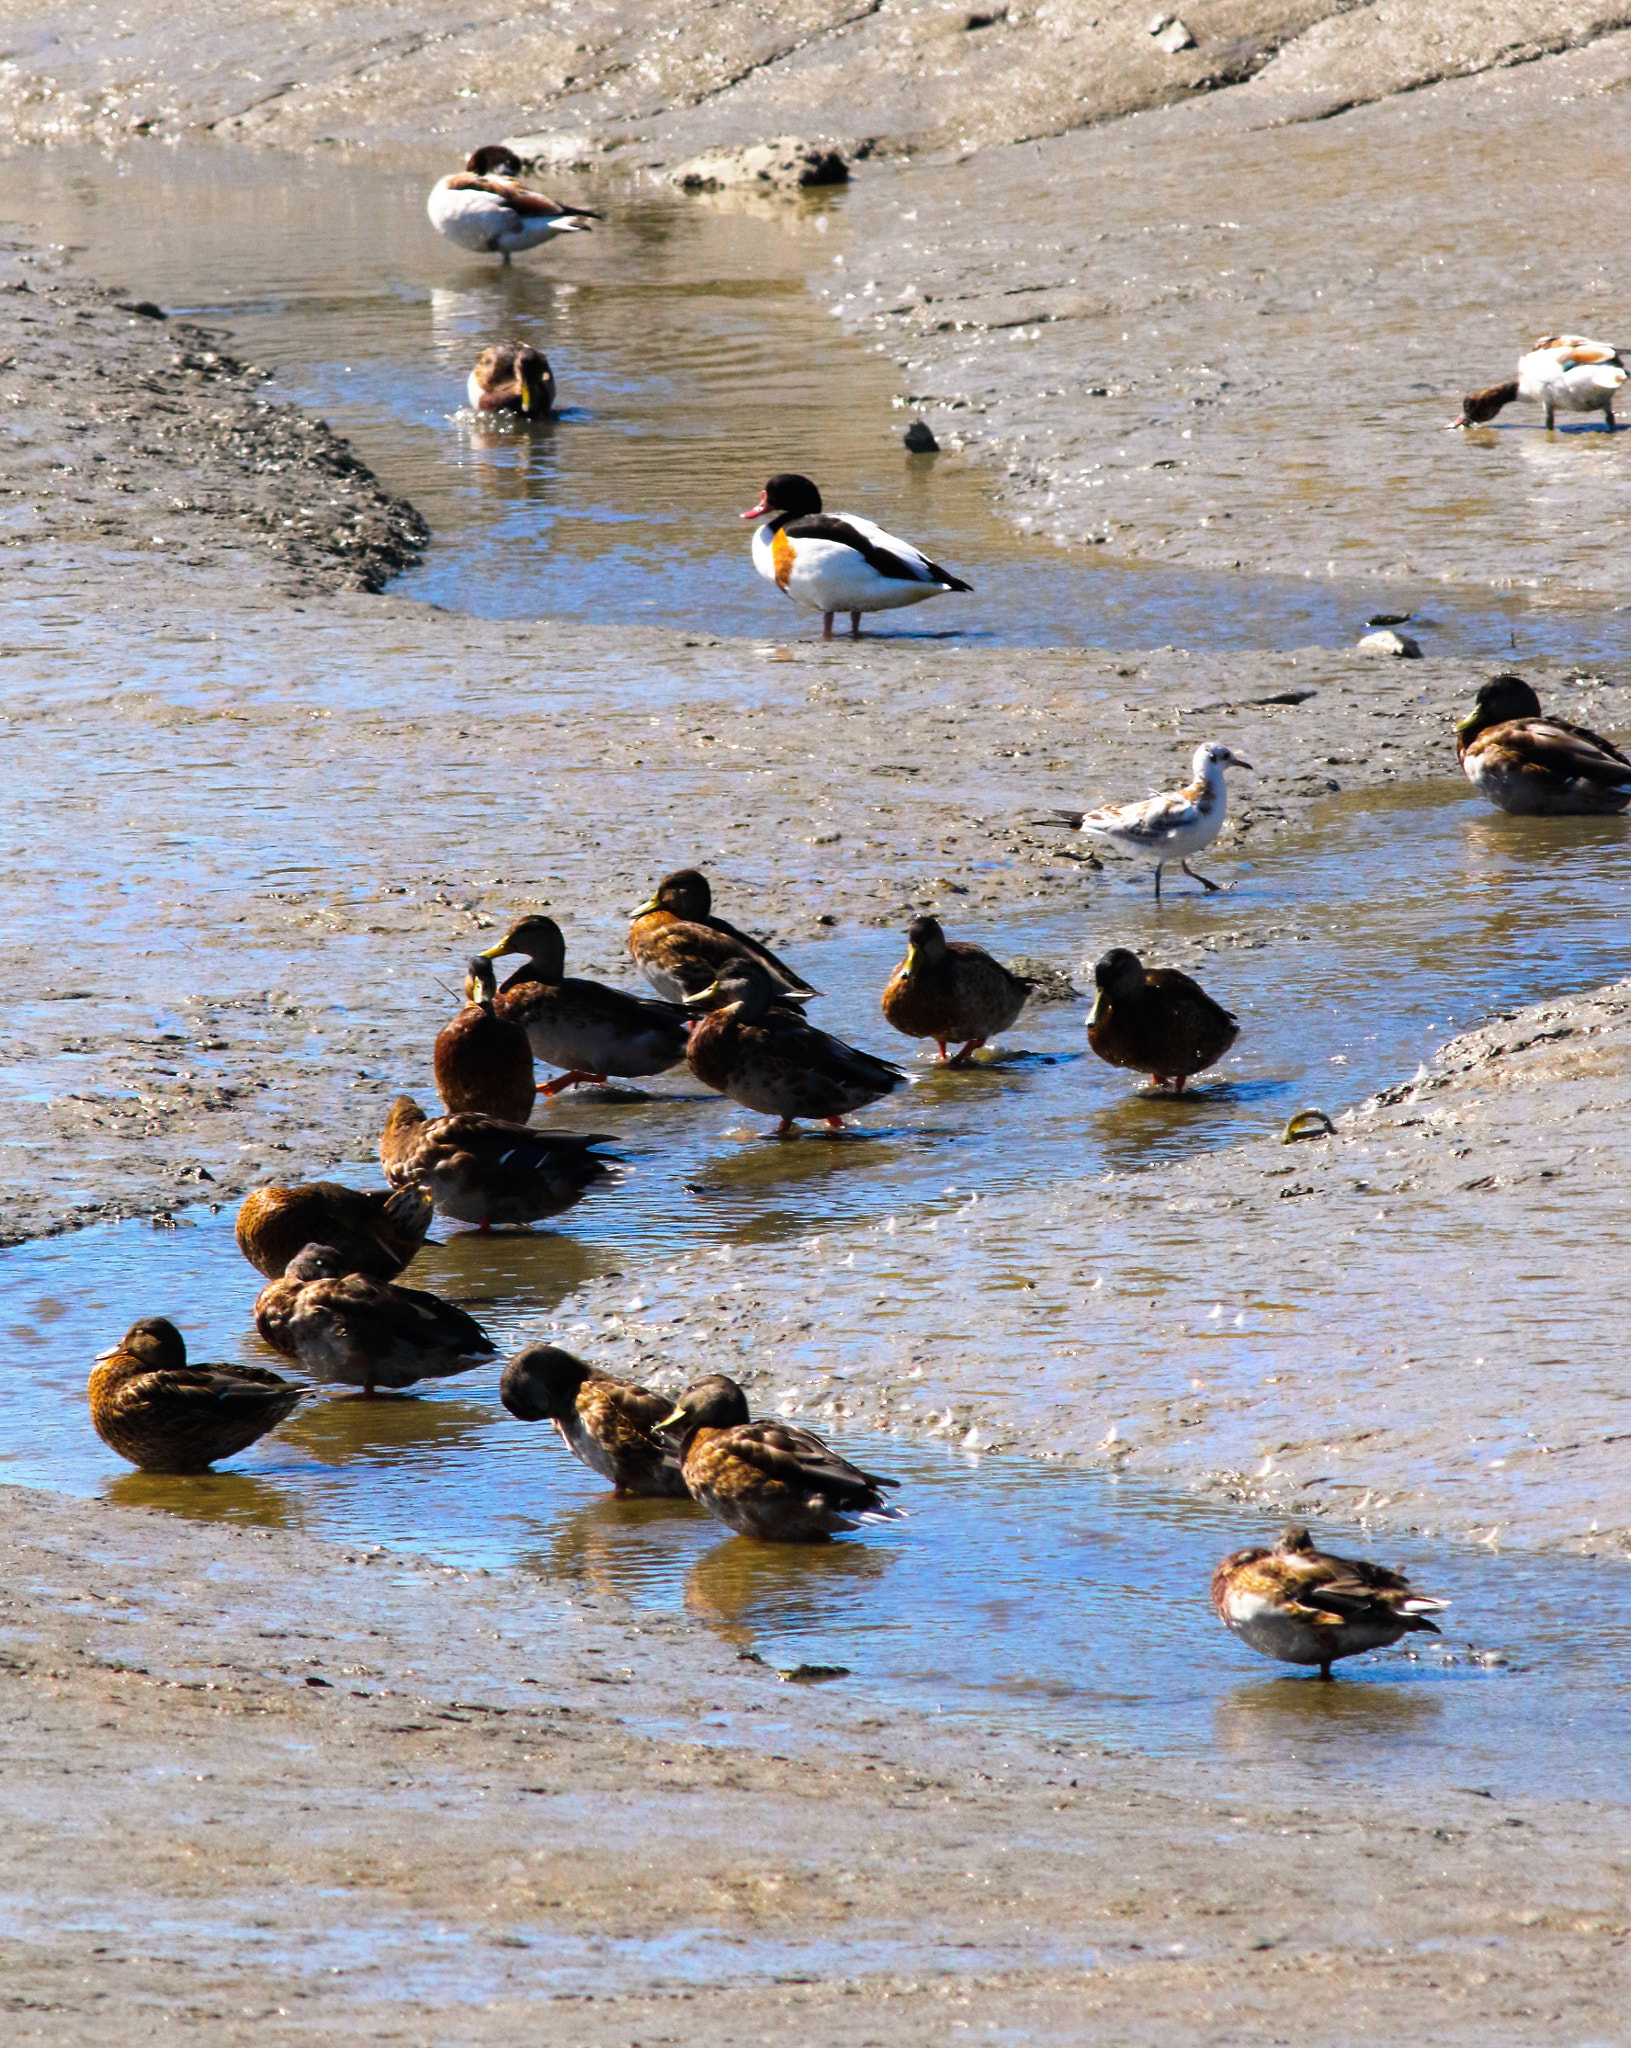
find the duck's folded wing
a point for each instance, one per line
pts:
(623, 1416)
(821, 1053)
(1570, 751)
(535, 205)
(800, 1459)
(201, 1391)
(1360, 1592)
(756, 949)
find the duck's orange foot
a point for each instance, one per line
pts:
(561, 1081)
(965, 1056)
(785, 1129)
(835, 1123)
(941, 1055)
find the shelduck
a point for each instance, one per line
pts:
(1566, 372)
(838, 562)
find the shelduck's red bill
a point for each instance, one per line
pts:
(762, 509)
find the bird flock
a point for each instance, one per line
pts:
(727, 1008)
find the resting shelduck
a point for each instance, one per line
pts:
(1171, 825)
(511, 376)
(487, 209)
(1566, 372)
(838, 562)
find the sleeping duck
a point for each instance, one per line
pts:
(1566, 372)
(679, 945)
(485, 207)
(511, 376)
(1299, 1604)
(163, 1415)
(376, 1234)
(1537, 766)
(482, 1170)
(347, 1330)
(589, 1030)
(838, 562)
(606, 1423)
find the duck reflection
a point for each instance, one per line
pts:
(1375, 1703)
(210, 1497)
(633, 1550)
(741, 1589)
(350, 1430)
(520, 1271)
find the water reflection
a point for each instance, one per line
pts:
(210, 1497)
(745, 1590)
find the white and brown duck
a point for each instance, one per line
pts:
(485, 207)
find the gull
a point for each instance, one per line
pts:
(1170, 825)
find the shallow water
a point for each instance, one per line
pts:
(693, 359)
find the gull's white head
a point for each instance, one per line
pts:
(1212, 756)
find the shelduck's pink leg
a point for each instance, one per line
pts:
(826, 625)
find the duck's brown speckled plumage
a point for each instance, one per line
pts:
(347, 1330)
(163, 1415)
(769, 1058)
(482, 1170)
(951, 991)
(483, 1057)
(375, 1233)
(1303, 1606)
(512, 376)
(606, 1423)
(768, 1479)
(1156, 1020)
(680, 946)
(590, 1031)
(1532, 765)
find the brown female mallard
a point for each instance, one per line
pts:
(349, 1331)
(606, 1423)
(1298, 1604)
(947, 989)
(767, 1057)
(163, 1415)
(680, 946)
(1156, 1020)
(512, 376)
(483, 1058)
(768, 1479)
(376, 1234)
(590, 1030)
(1532, 765)
(482, 1170)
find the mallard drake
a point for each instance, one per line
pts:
(838, 562)
(768, 1479)
(1566, 372)
(679, 945)
(512, 376)
(1298, 1604)
(1531, 765)
(606, 1423)
(767, 1057)
(482, 1170)
(376, 1234)
(1156, 1020)
(163, 1415)
(346, 1330)
(583, 1026)
(947, 989)
(486, 209)
(483, 1058)
(1171, 825)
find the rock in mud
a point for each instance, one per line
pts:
(1400, 645)
(919, 438)
(783, 165)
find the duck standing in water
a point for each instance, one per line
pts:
(347, 1330)
(512, 377)
(483, 1058)
(482, 1170)
(1170, 825)
(1302, 1606)
(1156, 1021)
(485, 208)
(605, 1422)
(1566, 372)
(947, 989)
(584, 1027)
(376, 1234)
(680, 946)
(1531, 765)
(838, 562)
(163, 1415)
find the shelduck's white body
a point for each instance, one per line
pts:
(838, 562)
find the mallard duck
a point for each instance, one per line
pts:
(589, 1029)
(346, 1330)
(163, 1415)
(679, 945)
(1156, 1020)
(767, 1057)
(483, 1058)
(1171, 825)
(768, 1479)
(376, 1234)
(1529, 764)
(946, 989)
(838, 562)
(486, 209)
(512, 376)
(606, 1423)
(482, 1170)
(1566, 372)
(1297, 1604)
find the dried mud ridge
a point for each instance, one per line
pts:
(131, 433)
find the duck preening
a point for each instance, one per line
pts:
(163, 1415)
(1171, 825)
(768, 1479)
(950, 991)
(483, 1170)
(1302, 1606)
(680, 946)
(605, 1422)
(512, 376)
(1566, 372)
(1156, 1020)
(1532, 765)
(587, 1029)
(838, 562)
(485, 207)
(347, 1330)
(376, 1234)
(483, 1058)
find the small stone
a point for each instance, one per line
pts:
(1399, 645)
(1156, 23)
(1175, 37)
(783, 165)
(920, 438)
(813, 1674)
